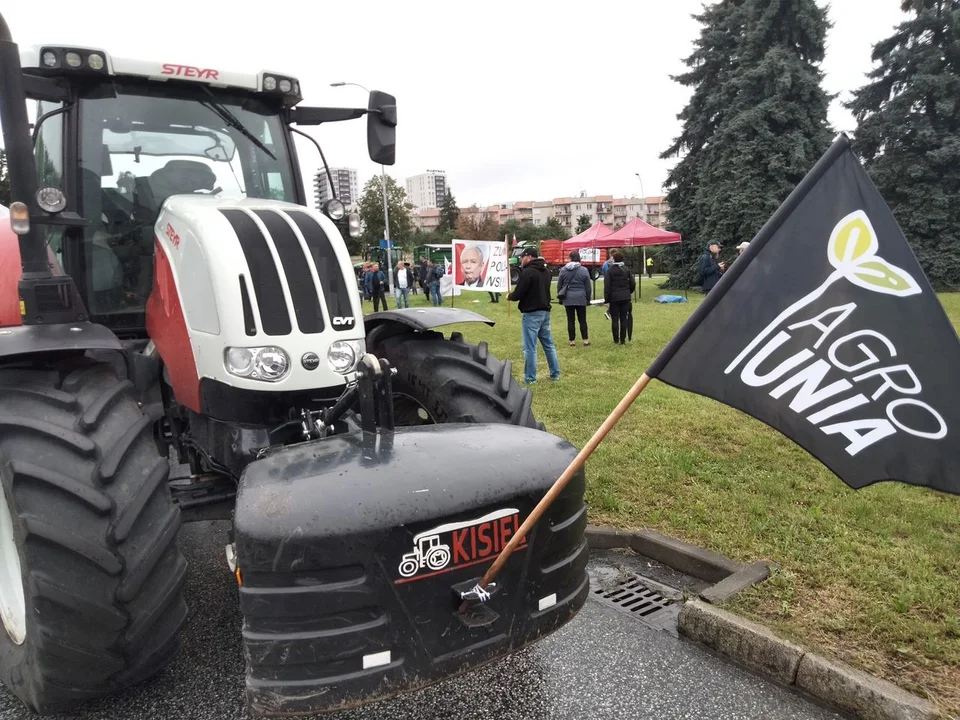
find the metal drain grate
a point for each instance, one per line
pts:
(638, 597)
(632, 595)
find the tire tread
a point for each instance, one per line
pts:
(63, 431)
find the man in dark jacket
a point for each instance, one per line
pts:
(374, 282)
(532, 295)
(618, 287)
(710, 268)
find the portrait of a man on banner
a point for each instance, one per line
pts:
(471, 264)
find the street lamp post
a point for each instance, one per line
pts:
(386, 213)
(644, 206)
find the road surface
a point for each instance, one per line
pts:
(604, 664)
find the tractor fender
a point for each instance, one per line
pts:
(62, 337)
(382, 325)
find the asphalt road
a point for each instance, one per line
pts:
(604, 664)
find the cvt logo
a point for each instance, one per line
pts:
(343, 321)
(863, 365)
(456, 545)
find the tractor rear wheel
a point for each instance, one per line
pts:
(91, 588)
(442, 380)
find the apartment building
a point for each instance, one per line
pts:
(428, 189)
(344, 183)
(657, 211)
(426, 220)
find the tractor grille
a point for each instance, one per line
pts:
(331, 279)
(306, 304)
(265, 272)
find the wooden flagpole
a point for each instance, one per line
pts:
(561, 483)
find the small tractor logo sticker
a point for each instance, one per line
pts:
(427, 552)
(447, 547)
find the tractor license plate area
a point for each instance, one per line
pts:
(354, 551)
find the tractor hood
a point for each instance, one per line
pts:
(245, 274)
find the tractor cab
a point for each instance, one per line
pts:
(119, 137)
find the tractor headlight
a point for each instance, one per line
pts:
(334, 209)
(74, 60)
(343, 354)
(269, 364)
(354, 224)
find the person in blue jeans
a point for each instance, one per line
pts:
(532, 295)
(402, 283)
(434, 273)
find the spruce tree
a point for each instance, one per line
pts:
(712, 63)
(908, 132)
(449, 213)
(769, 129)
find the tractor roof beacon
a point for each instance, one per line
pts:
(164, 285)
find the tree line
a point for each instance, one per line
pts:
(756, 122)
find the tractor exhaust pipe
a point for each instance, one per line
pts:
(19, 147)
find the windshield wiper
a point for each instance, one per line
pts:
(231, 120)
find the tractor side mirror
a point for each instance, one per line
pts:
(382, 127)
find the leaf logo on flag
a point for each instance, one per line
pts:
(852, 250)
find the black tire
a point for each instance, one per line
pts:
(95, 529)
(514, 274)
(442, 380)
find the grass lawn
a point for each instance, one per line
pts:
(871, 577)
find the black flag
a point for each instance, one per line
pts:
(827, 330)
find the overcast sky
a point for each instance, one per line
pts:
(514, 100)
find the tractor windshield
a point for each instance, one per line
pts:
(142, 145)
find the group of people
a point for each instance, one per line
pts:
(574, 291)
(430, 276)
(711, 268)
(373, 285)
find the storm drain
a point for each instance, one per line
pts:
(638, 597)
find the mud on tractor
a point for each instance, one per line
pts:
(166, 292)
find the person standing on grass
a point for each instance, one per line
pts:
(618, 287)
(532, 295)
(650, 268)
(432, 279)
(402, 282)
(710, 269)
(424, 274)
(573, 292)
(374, 282)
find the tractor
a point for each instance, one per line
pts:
(169, 299)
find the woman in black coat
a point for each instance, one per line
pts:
(618, 286)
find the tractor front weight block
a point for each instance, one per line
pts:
(354, 551)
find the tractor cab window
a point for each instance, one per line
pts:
(48, 156)
(143, 145)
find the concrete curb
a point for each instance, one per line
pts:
(834, 682)
(689, 559)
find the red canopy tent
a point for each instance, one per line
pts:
(591, 237)
(637, 233)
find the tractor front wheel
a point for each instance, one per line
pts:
(441, 380)
(91, 583)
